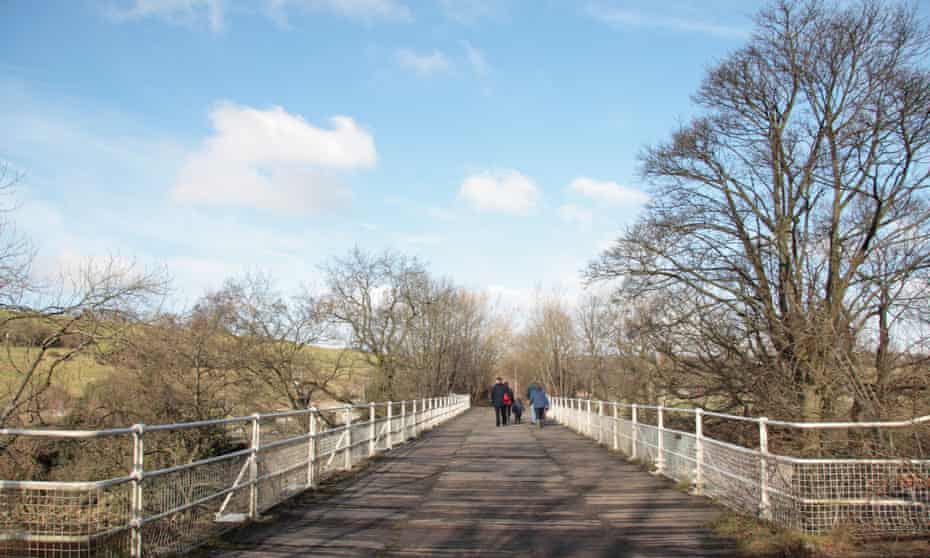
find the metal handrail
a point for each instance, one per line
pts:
(419, 416)
(832, 489)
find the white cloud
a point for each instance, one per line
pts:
(183, 12)
(469, 11)
(476, 58)
(608, 192)
(271, 159)
(576, 215)
(423, 64)
(214, 12)
(620, 17)
(366, 11)
(502, 192)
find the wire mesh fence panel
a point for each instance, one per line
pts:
(866, 497)
(869, 497)
(180, 509)
(381, 427)
(63, 521)
(359, 451)
(282, 471)
(731, 475)
(679, 455)
(625, 436)
(194, 479)
(647, 442)
(602, 428)
(395, 434)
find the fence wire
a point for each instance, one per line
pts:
(175, 507)
(869, 498)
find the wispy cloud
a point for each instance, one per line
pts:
(576, 215)
(180, 12)
(469, 11)
(423, 64)
(368, 11)
(501, 192)
(214, 13)
(271, 159)
(608, 192)
(622, 17)
(476, 59)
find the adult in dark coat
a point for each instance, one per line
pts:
(497, 399)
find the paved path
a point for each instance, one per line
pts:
(470, 489)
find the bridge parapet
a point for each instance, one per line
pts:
(872, 497)
(172, 509)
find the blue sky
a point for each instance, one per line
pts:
(497, 140)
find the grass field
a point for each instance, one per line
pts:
(74, 376)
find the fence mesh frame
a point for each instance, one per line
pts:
(869, 498)
(181, 504)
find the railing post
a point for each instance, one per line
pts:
(348, 451)
(416, 418)
(390, 425)
(660, 459)
(138, 469)
(253, 466)
(634, 453)
(765, 509)
(589, 417)
(312, 450)
(616, 427)
(372, 429)
(403, 421)
(600, 422)
(699, 451)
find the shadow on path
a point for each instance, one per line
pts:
(469, 489)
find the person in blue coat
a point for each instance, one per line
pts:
(540, 404)
(529, 398)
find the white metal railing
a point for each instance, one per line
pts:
(876, 497)
(176, 508)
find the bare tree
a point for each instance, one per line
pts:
(811, 155)
(274, 340)
(376, 299)
(93, 311)
(450, 345)
(16, 254)
(550, 341)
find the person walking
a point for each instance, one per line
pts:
(517, 411)
(498, 393)
(508, 400)
(540, 404)
(529, 398)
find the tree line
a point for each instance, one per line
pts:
(781, 268)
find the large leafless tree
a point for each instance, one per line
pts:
(789, 221)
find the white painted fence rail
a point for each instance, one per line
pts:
(877, 497)
(174, 509)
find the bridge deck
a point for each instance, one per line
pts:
(468, 488)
